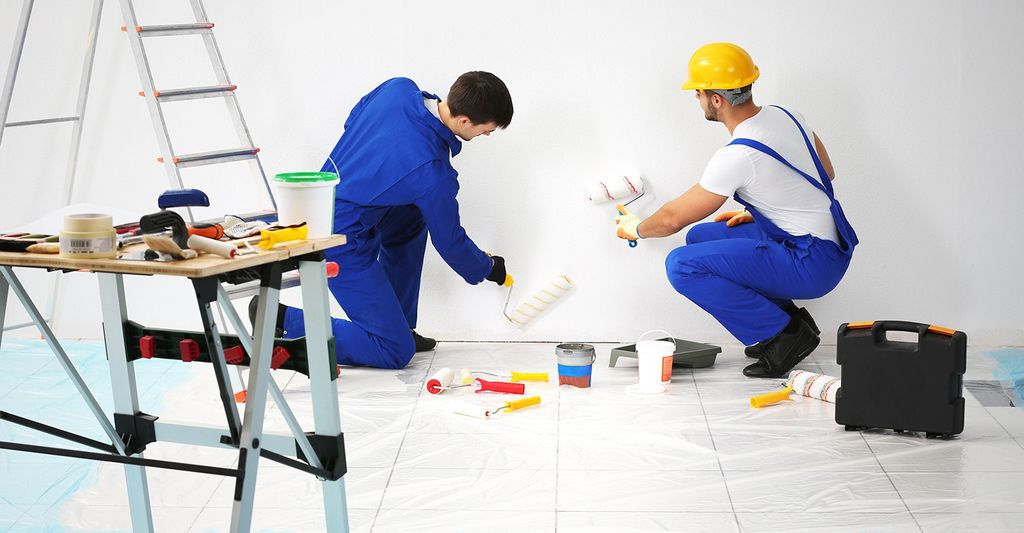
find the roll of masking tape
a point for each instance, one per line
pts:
(88, 235)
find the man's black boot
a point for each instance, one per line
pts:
(423, 344)
(279, 326)
(784, 351)
(794, 312)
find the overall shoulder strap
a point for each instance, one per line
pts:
(810, 148)
(761, 147)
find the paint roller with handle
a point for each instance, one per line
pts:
(539, 302)
(477, 411)
(616, 189)
(445, 379)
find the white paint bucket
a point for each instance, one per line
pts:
(306, 197)
(655, 360)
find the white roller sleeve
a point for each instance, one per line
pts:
(813, 385)
(616, 188)
(541, 300)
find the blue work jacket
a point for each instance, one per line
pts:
(394, 152)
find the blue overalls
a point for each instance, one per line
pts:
(745, 275)
(397, 183)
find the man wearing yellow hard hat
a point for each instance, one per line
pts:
(791, 242)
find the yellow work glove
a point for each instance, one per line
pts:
(735, 218)
(626, 224)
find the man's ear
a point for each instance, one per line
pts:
(462, 120)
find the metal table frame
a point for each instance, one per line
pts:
(320, 453)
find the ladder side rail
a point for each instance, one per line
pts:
(156, 112)
(12, 67)
(230, 100)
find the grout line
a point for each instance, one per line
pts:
(889, 478)
(558, 439)
(405, 434)
(711, 435)
(195, 520)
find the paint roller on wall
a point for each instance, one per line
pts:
(539, 302)
(616, 189)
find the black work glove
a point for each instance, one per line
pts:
(498, 273)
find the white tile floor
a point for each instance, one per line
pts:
(696, 458)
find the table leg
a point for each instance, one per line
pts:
(5, 289)
(322, 379)
(256, 397)
(206, 293)
(126, 398)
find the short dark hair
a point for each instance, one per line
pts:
(735, 97)
(482, 97)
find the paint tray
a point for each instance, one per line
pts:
(688, 354)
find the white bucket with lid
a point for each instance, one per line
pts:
(655, 360)
(306, 197)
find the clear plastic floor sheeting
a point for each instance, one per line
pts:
(695, 458)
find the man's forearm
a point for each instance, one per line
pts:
(660, 224)
(693, 205)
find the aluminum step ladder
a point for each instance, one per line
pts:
(76, 120)
(223, 89)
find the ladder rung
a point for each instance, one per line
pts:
(212, 158)
(172, 29)
(193, 93)
(40, 121)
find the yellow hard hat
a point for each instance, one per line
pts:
(720, 66)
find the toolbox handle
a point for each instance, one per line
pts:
(879, 328)
(900, 325)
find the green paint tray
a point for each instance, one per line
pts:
(688, 354)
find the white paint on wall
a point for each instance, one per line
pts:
(916, 102)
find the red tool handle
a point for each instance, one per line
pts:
(501, 386)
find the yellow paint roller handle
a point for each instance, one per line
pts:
(268, 238)
(508, 281)
(763, 400)
(529, 376)
(522, 402)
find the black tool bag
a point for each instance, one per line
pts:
(903, 385)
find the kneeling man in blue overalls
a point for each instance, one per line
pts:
(791, 242)
(397, 185)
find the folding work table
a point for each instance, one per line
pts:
(320, 453)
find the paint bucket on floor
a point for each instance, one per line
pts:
(655, 360)
(306, 197)
(575, 363)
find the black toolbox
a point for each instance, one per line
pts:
(904, 385)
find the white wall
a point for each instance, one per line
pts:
(917, 102)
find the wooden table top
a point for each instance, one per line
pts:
(203, 266)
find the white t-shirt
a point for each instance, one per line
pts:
(432, 107)
(781, 195)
